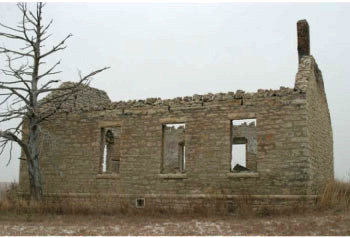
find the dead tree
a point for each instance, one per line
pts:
(23, 82)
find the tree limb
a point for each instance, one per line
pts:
(57, 47)
(49, 72)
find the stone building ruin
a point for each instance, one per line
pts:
(178, 153)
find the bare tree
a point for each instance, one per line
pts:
(23, 83)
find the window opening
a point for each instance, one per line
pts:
(174, 151)
(110, 158)
(244, 145)
(104, 163)
(182, 158)
(239, 155)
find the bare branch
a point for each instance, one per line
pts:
(49, 72)
(32, 15)
(57, 47)
(17, 73)
(23, 8)
(10, 28)
(14, 91)
(82, 80)
(14, 82)
(11, 36)
(12, 137)
(3, 146)
(6, 50)
(46, 28)
(46, 37)
(11, 143)
(48, 83)
(5, 100)
(9, 136)
(26, 47)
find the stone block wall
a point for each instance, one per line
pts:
(281, 134)
(319, 146)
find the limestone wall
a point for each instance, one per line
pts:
(319, 129)
(73, 165)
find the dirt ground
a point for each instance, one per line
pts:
(317, 223)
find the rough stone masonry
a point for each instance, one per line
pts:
(177, 153)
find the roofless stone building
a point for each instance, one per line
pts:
(181, 153)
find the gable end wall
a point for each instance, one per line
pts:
(309, 79)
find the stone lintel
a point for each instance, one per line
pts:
(170, 120)
(109, 123)
(242, 115)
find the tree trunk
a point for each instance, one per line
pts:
(33, 163)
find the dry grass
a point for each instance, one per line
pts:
(12, 203)
(63, 216)
(58, 206)
(335, 196)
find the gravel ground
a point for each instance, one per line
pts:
(325, 223)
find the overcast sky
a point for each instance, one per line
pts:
(169, 50)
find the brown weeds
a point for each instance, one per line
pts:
(335, 195)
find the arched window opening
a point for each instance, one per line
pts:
(110, 161)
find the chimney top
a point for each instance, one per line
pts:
(303, 38)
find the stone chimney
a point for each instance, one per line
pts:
(303, 38)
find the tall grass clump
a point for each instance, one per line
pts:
(335, 195)
(8, 197)
(13, 203)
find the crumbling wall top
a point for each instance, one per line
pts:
(87, 97)
(188, 101)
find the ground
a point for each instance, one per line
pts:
(314, 223)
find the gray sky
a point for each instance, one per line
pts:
(169, 50)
